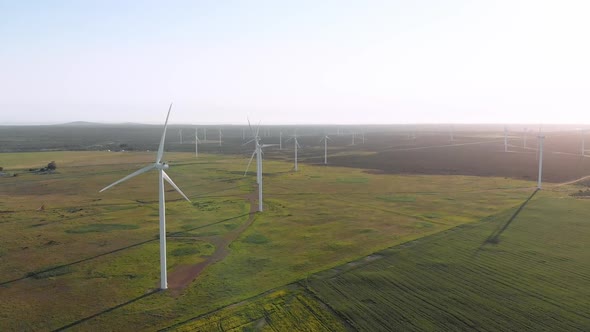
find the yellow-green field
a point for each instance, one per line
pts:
(90, 261)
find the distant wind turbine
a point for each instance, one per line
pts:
(296, 144)
(541, 138)
(197, 142)
(180, 135)
(258, 152)
(160, 166)
(505, 139)
(583, 150)
(220, 136)
(325, 139)
(451, 133)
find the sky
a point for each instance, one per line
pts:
(295, 62)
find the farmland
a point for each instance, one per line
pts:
(337, 248)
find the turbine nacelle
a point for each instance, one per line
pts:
(162, 166)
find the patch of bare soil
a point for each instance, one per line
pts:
(473, 156)
(183, 275)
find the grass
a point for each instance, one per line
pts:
(315, 219)
(100, 228)
(534, 278)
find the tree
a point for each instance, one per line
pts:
(51, 165)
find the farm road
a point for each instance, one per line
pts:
(32, 274)
(182, 276)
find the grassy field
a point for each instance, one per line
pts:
(533, 278)
(102, 251)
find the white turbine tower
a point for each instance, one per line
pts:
(505, 139)
(451, 133)
(258, 152)
(325, 139)
(220, 136)
(296, 143)
(541, 138)
(160, 166)
(583, 150)
(280, 140)
(197, 142)
(180, 135)
(204, 134)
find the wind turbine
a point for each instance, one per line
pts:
(451, 134)
(524, 138)
(160, 166)
(280, 140)
(220, 136)
(294, 138)
(180, 135)
(258, 152)
(541, 138)
(197, 142)
(583, 150)
(505, 139)
(204, 134)
(326, 138)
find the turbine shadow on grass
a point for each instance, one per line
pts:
(494, 238)
(62, 266)
(80, 321)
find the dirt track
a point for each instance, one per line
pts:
(183, 275)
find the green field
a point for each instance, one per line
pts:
(89, 261)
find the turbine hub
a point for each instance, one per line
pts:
(162, 166)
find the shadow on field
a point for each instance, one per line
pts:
(80, 321)
(58, 267)
(494, 238)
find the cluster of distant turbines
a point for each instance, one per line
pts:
(161, 166)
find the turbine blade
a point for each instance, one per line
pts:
(161, 147)
(267, 145)
(136, 173)
(247, 167)
(257, 130)
(250, 126)
(250, 141)
(169, 180)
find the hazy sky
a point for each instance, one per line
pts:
(297, 61)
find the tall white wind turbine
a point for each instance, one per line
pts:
(505, 139)
(541, 138)
(297, 146)
(161, 166)
(258, 152)
(197, 142)
(326, 138)
(180, 135)
(220, 136)
(583, 150)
